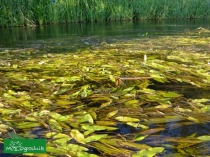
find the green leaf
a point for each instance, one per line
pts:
(54, 150)
(127, 119)
(32, 119)
(76, 148)
(55, 135)
(105, 104)
(60, 117)
(5, 111)
(128, 89)
(158, 78)
(193, 119)
(183, 109)
(139, 137)
(171, 95)
(94, 138)
(55, 125)
(61, 141)
(111, 114)
(64, 102)
(58, 138)
(151, 152)
(77, 135)
(85, 154)
(206, 108)
(3, 128)
(92, 128)
(111, 78)
(147, 91)
(137, 125)
(131, 102)
(204, 138)
(85, 118)
(26, 125)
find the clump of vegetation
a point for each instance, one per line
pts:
(105, 100)
(26, 13)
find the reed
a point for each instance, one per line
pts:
(33, 12)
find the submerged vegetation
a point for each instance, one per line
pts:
(25, 12)
(111, 99)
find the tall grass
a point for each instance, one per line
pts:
(33, 12)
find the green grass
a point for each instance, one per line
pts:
(38, 12)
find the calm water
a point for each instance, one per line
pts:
(79, 35)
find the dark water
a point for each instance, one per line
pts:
(78, 35)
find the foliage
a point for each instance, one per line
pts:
(25, 12)
(71, 99)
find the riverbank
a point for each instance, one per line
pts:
(27, 13)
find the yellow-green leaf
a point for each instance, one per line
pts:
(94, 138)
(139, 137)
(111, 114)
(127, 119)
(77, 135)
(151, 152)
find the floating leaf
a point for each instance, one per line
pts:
(9, 111)
(206, 108)
(26, 125)
(55, 135)
(54, 150)
(88, 118)
(149, 152)
(111, 78)
(183, 109)
(60, 117)
(127, 119)
(94, 138)
(3, 128)
(158, 78)
(62, 141)
(111, 114)
(147, 90)
(163, 106)
(105, 104)
(55, 125)
(84, 117)
(131, 102)
(204, 138)
(193, 119)
(32, 119)
(171, 95)
(137, 125)
(77, 135)
(92, 128)
(128, 89)
(139, 137)
(65, 102)
(106, 123)
(85, 154)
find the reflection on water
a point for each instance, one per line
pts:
(74, 33)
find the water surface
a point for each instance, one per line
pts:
(85, 34)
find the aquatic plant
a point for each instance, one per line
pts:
(107, 100)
